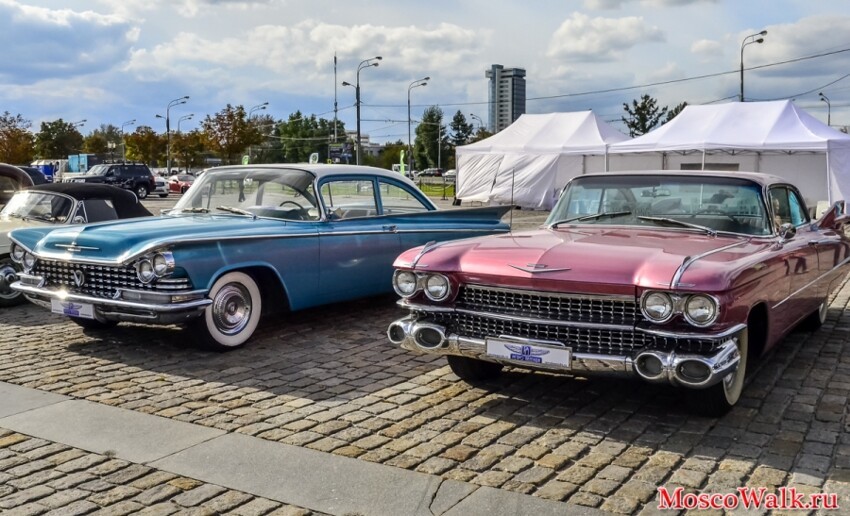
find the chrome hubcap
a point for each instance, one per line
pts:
(7, 277)
(231, 309)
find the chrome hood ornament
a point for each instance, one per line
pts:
(534, 268)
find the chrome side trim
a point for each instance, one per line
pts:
(809, 284)
(690, 260)
(194, 305)
(695, 335)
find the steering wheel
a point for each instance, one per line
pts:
(714, 211)
(291, 202)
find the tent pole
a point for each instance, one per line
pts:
(703, 159)
(828, 178)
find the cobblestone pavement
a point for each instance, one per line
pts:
(40, 477)
(328, 379)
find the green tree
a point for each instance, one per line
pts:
(229, 133)
(95, 143)
(188, 149)
(303, 135)
(17, 143)
(643, 115)
(58, 139)
(430, 148)
(675, 111)
(146, 146)
(461, 130)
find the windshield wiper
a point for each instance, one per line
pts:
(582, 218)
(680, 223)
(194, 210)
(233, 209)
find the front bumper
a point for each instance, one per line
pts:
(156, 308)
(696, 371)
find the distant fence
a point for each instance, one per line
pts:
(436, 186)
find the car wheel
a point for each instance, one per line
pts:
(8, 274)
(183, 189)
(472, 370)
(816, 319)
(230, 320)
(141, 191)
(718, 399)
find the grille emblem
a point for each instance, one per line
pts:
(79, 278)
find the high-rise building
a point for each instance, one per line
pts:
(507, 96)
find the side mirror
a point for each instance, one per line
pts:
(787, 231)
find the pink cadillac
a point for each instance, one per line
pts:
(666, 276)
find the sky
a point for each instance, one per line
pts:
(113, 61)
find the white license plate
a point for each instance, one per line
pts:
(70, 308)
(528, 352)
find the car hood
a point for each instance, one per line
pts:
(619, 258)
(8, 224)
(122, 240)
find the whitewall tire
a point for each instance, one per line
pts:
(230, 320)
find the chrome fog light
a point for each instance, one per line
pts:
(144, 271)
(436, 287)
(404, 283)
(700, 310)
(657, 307)
(17, 253)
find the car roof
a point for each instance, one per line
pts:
(125, 202)
(756, 177)
(321, 170)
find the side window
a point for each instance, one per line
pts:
(779, 207)
(348, 199)
(112, 172)
(797, 209)
(396, 199)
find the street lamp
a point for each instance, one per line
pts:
(79, 123)
(480, 122)
(752, 38)
(366, 63)
(123, 143)
(181, 100)
(258, 107)
(184, 117)
(414, 84)
(828, 108)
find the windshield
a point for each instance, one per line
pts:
(97, 170)
(277, 193)
(42, 206)
(712, 203)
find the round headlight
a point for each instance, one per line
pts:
(657, 307)
(436, 287)
(404, 283)
(700, 310)
(162, 264)
(144, 270)
(17, 253)
(28, 261)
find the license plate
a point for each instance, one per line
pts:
(70, 308)
(520, 351)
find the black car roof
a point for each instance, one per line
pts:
(125, 202)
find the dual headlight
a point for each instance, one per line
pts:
(698, 309)
(436, 286)
(154, 266)
(23, 257)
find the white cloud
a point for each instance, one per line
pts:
(42, 43)
(581, 38)
(617, 4)
(707, 48)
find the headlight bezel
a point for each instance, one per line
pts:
(144, 271)
(418, 282)
(16, 253)
(670, 311)
(154, 266)
(712, 301)
(426, 286)
(414, 284)
(28, 262)
(680, 302)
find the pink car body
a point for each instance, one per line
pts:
(591, 291)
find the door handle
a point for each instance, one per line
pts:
(392, 228)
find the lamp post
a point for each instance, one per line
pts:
(184, 117)
(258, 107)
(414, 84)
(828, 108)
(181, 100)
(480, 122)
(123, 143)
(366, 63)
(79, 123)
(752, 38)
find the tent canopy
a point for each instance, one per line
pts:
(531, 160)
(755, 127)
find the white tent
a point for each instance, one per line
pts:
(773, 137)
(529, 162)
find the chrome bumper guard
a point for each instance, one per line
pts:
(166, 312)
(685, 370)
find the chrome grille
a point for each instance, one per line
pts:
(553, 306)
(102, 280)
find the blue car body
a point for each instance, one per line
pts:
(304, 235)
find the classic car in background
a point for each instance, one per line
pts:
(669, 277)
(58, 203)
(12, 180)
(180, 183)
(243, 240)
